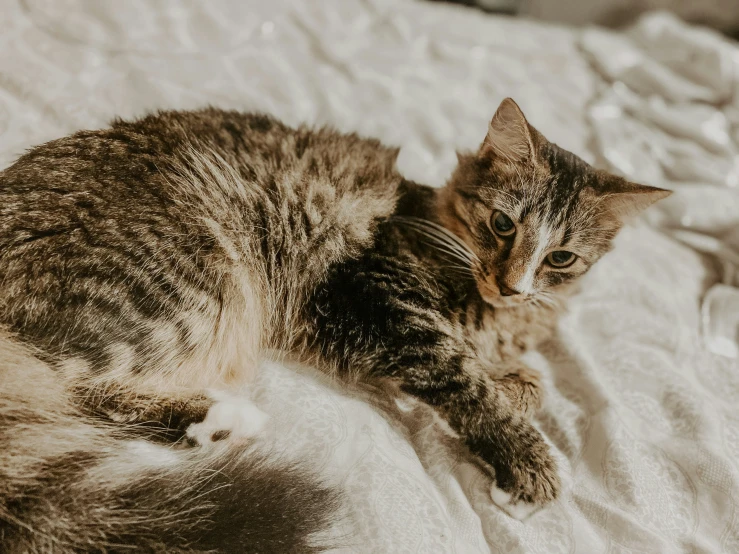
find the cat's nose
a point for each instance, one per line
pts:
(505, 290)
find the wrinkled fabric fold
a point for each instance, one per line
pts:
(668, 115)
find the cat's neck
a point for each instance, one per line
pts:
(416, 200)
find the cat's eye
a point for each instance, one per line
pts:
(561, 258)
(502, 224)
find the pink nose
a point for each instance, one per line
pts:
(505, 290)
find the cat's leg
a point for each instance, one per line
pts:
(161, 418)
(197, 420)
(520, 384)
(171, 387)
(385, 318)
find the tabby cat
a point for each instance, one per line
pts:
(146, 267)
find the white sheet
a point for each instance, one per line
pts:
(670, 116)
(641, 415)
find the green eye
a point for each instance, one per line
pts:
(502, 224)
(561, 258)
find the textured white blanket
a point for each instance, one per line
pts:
(641, 414)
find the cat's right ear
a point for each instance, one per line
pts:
(509, 135)
(625, 199)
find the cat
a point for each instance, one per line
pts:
(148, 265)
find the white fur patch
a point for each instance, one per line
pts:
(164, 334)
(526, 283)
(154, 454)
(234, 414)
(74, 368)
(517, 510)
(122, 357)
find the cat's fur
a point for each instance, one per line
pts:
(152, 261)
(71, 483)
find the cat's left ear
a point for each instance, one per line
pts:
(509, 135)
(625, 199)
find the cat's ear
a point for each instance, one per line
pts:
(625, 199)
(509, 135)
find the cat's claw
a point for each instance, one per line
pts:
(231, 417)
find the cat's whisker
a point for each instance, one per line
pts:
(452, 253)
(441, 247)
(546, 299)
(441, 237)
(459, 269)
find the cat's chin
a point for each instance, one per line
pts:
(505, 302)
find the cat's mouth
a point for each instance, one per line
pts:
(492, 294)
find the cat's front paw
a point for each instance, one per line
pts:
(527, 482)
(522, 386)
(525, 473)
(230, 417)
(527, 496)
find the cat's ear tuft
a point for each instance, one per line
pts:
(509, 135)
(626, 199)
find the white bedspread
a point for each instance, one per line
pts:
(642, 416)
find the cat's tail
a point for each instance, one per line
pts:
(69, 484)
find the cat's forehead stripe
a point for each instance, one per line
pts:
(541, 239)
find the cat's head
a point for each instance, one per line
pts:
(535, 216)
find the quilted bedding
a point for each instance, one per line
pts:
(643, 377)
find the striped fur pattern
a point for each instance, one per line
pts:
(71, 483)
(149, 264)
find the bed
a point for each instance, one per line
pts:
(643, 377)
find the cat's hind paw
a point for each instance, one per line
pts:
(231, 417)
